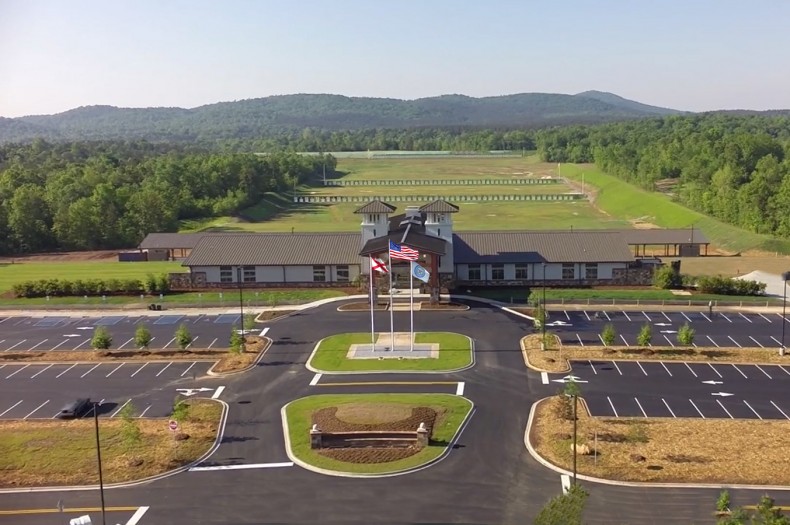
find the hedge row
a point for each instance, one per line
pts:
(728, 286)
(79, 287)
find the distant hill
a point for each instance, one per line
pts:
(255, 118)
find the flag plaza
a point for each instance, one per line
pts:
(403, 252)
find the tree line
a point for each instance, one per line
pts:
(107, 195)
(731, 167)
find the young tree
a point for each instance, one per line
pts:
(541, 316)
(180, 409)
(131, 436)
(686, 335)
(236, 340)
(102, 340)
(183, 337)
(608, 335)
(142, 336)
(645, 335)
(249, 321)
(565, 509)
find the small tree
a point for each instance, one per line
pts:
(131, 436)
(236, 340)
(665, 277)
(183, 337)
(608, 335)
(686, 335)
(142, 336)
(541, 316)
(249, 321)
(565, 509)
(645, 335)
(102, 340)
(180, 409)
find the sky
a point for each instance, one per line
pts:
(694, 55)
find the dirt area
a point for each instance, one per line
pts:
(663, 450)
(358, 307)
(98, 255)
(555, 358)
(380, 418)
(425, 305)
(270, 315)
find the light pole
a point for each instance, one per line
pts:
(543, 306)
(98, 456)
(241, 306)
(572, 390)
(785, 278)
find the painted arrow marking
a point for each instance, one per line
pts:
(569, 379)
(192, 391)
(663, 324)
(84, 328)
(669, 331)
(71, 335)
(558, 323)
(721, 394)
(712, 382)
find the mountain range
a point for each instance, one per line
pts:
(260, 117)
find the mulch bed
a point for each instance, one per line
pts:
(442, 306)
(327, 420)
(357, 307)
(269, 315)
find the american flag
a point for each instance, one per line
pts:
(398, 251)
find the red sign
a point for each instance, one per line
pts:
(173, 425)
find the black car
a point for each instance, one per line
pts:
(74, 409)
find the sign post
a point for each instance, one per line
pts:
(172, 425)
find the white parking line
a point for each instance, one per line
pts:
(36, 410)
(593, 367)
(580, 339)
(126, 343)
(218, 392)
(763, 371)
(136, 371)
(198, 318)
(753, 410)
(601, 339)
(212, 342)
(544, 378)
(739, 370)
(612, 405)
(7, 410)
(724, 316)
(648, 317)
(774, 404)
(617, 367)
(114, 369)
(669, 341)
(624, 341)
(691, 370)
(188, 369)
(121, 408)
(706, 317)
(697, 409)
(739, 313)
(144, 411)
(717, 372)
(17, 371)
(66, 370)
(626, 316)
(665, 368)
(19, 343)
(665, 315)
(607, 315)
(165, 368)
(82, 343)
(59, 344)
(756, 341)
(640, 407)
(687, 317)
(41, 371)
(667, 405)
(784, 370)
(734, 341)
(782, 317)
(724, 408)
(91, 370)
(192, 341)
(168, 343)
(586, 315)
(4, 320)
(568, 317)
(712, 341)
(36, 346)
(777, 341)
(764, 317)
(640, 367)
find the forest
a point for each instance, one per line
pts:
(107, 195)
(731, 167)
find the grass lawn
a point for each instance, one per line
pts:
(41, 453)
(455, 351)
(376, 191)
(443, 167)
(451, 410)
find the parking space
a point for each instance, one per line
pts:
(168, 319)
(227, 318)
(50, 321)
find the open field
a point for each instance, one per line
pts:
(451, 411)
(444, 168)
(490, 189)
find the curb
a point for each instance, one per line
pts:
(247, 368)
(363, 372)
(342, 474)
(157, 477)
(636, 484)
(535, 368)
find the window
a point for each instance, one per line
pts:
(319, 274)
(590, 271)
(249, 274)
(226, 274)
(474, 272)
(568, 271)
(342, 274)
(521, 271)
(498, 272)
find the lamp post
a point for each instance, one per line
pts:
(543, 306)
(241, 306)
(785, 278)
(572, 390)
(98, 456)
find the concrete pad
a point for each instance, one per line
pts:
(402, 349)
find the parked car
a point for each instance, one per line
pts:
(74, 409)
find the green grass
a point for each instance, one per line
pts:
(628, 202)
(11, 274)
(455, 352)
(453, 410)
(441, 167)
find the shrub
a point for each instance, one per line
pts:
(608, 335)
(236, 340)
(150, 284)
(666, 278)
(645, 335)
(102, 340)
(686, 335)
(142, 336)
(163, 283)
(183, 337)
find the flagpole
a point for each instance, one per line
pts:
(411, 305)
(392, 317)
(372, 328)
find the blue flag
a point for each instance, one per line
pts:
(419, 272)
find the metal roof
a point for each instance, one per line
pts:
(664, 236)
(165, 241)
(417, 240)
(540, 246)
(440, 206)
(376, 206)
(275, 249)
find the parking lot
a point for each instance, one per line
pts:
(719, 329)
(680, 389)
(38, 391)
(21, 334)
